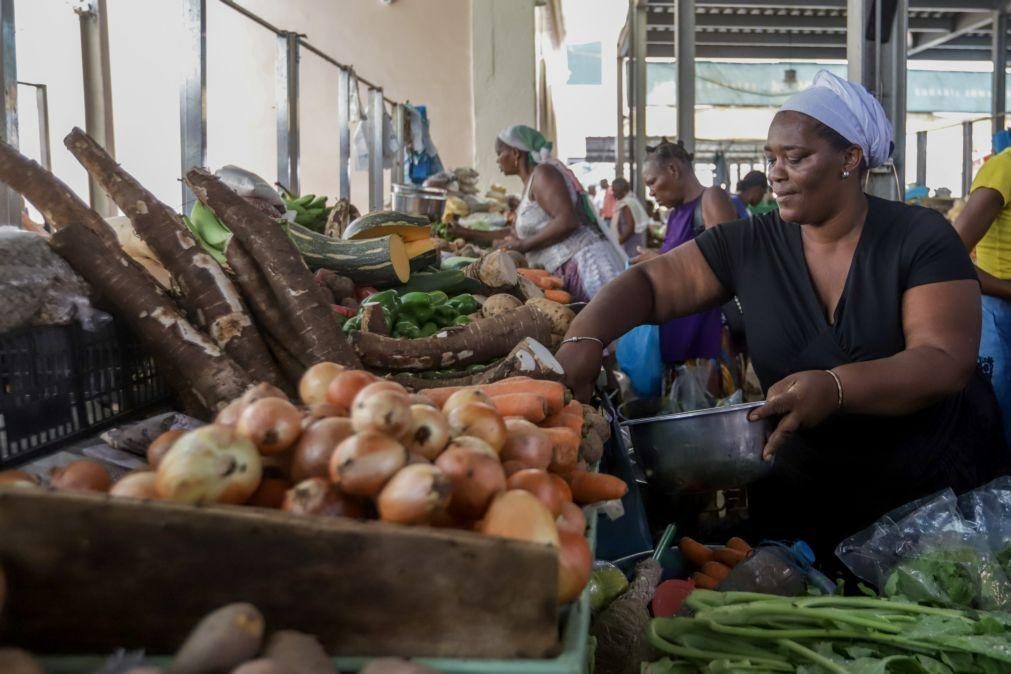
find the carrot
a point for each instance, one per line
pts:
(703, 581)
(594, 487)
(562, 486)
(716, 570)
(533, 273)
(565, 446)
(694, 552)
(531, 408)
(560, 296)
(739, 544)
(552, 391)
(548, 282)
(729, 556)
(571, 416)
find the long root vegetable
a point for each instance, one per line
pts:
(565, 447)
(558, 295)
(739, 544)
(704, 581)
(729, 556)
(694, 552)
(553, 392)
(595, 487)
(570, 417)
(223, 640)
(714, 569)
(531, 408)
(529, 358)
(527, 444)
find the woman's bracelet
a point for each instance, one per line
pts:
(573, 340)
(838, 386)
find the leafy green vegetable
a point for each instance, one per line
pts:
(958, 577)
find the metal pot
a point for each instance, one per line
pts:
(701, 451)
(428, 202)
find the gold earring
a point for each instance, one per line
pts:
(845, 175)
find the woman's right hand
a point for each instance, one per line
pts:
(581, 363)
(645, 255)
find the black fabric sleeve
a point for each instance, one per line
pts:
(932, 251)
(722, 247)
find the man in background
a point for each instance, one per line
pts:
(607, 201)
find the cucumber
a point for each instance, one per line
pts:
(430, 281)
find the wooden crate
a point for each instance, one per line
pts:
(88, 574)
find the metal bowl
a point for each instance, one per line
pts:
(427, 202)
(701, 451)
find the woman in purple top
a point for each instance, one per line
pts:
(693, 208)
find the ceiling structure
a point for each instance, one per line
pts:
(816, 29)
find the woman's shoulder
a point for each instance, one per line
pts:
(904, 220)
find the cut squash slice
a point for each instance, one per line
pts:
(385, 223)
(378, 261)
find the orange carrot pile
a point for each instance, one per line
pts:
(714, 564)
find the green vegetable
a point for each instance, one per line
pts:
(420, 314)
(352, 324)
(747, 632)
(429, 281)
(461, 320)
(341, 319)
(954, 577)
(445, 314)
(464, 304)
(406, 329)
(387, 298)
(437, 297)
(607, 583)
(429, 329)
(415, 299)
(457, 262)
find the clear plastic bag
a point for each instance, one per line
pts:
(690, 387)
(928, 553)
(38, 287)
(774, 568)
(988, 509)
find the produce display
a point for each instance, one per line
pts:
(310, 211)
(713, 565)
(412, 315)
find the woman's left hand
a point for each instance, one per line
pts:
(512, 243)
(803, 400)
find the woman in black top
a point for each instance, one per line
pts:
(862, 317)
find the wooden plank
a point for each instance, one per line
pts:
(87, 573)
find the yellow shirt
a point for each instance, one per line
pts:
(993, 252)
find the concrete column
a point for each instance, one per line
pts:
(998, 102)
(97, 91)
(685, 49)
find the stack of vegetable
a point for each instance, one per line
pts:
(713, 565)
(310, 211)
(414, 231)
(503, 459)
(412, 315)
(553, 287)
(745, 632)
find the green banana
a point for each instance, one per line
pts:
(318, 202)
(213, 252)
(209, 229)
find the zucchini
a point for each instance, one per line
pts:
(432, 281)
(378, 261)
(429, 258)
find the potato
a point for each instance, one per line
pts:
(17, 661)
(396, 666)
(561, 316)
(297, 652)
(499, 304)
(221, 641)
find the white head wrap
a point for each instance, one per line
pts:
(529, 140)
(849, 110)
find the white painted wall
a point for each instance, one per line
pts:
(504, 78)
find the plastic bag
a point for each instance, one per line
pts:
(38, 287)
(988, 509)
(774, 568)
(391, 144)
(926, 552)
(248, 184)
(639, 357)
(690, 388)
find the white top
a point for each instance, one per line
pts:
(531, 218)
(639, 215)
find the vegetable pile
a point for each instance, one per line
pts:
(412, 315)
(744, 632)
(713, 565)
(507, 459)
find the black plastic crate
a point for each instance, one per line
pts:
(59, 383)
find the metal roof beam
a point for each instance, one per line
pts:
(771, 39)
(702, 51)
(773, 20)
(917, 5)
(962, 24)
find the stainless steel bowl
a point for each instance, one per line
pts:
(428, 202)
(701, 451)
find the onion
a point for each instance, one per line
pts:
(527, 444)
(163, 443)
(212, 464)
(345, 387)
(513, 467)
(316, 496)
(476, 444)
(312, 452)
(520, 515)
(229, 414)
(421, 399)
(270, 493)
(18, 478)
(575, 562)
(414, 495)
(413, 458)
(479, 421)
(136, 485)
(261, 391)
(377, 386)
(476, 477)
(383, 412)
(428, 433)
(363, 463)
(572, 519)
(466, 396)
(321, 411)
(313, 386)
(277, 466)
(540, 484)
(84, 475)
(272, 424)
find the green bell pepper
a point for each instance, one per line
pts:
(445, 314)
(464, 304)
(437, 297)
(387, 298)
(429, 329)
(406, 329)
(461, 320)
(352, 324)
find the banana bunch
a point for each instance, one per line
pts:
(310, 211)
(208, 230)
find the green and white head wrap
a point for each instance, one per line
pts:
(530, 140)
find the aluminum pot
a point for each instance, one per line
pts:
(701, 451)
(428, 202)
